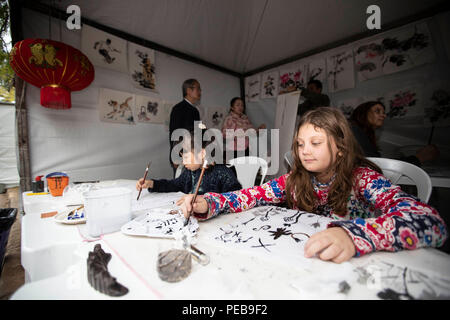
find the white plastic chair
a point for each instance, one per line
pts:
(247, 168)
(398, 171)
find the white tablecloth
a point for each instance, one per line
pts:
(54, 258)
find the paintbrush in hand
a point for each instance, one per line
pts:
(145, 176)
(196, 192)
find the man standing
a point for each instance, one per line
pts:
(314, 97)
(185, 113)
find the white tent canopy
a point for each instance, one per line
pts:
(243, 35)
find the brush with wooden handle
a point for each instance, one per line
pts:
(145, 176)
(196, 191)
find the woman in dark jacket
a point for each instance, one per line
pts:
(370, 116)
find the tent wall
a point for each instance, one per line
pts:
(9, 175)
(399, 132)
(77, 142)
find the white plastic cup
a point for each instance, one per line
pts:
(107, 210)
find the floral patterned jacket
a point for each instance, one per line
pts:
(380, 216)
(234, 122)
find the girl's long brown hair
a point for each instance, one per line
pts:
(299, 188)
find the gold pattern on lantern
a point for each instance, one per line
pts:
(84, 62)
(44, 55)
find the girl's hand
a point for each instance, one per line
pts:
(200, 205)
(144, 185)
(331, 244)
(180, 201)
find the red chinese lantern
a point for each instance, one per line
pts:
(53, 66)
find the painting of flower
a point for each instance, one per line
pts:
(400, 104)
(269, 85)
(368, 60)
(142, 68)
(404, 102)
(292, 79)
(406, 49)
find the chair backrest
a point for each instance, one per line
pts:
(396, 171)
(247, 168)
(288, 158)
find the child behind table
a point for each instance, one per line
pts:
(217, 177)
(331, 177)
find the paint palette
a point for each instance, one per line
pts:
(77, 217)
(159, 223)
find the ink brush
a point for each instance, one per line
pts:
(145, 176)
(196, 192)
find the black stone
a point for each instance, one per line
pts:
(98, 275)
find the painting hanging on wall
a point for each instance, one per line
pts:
(141, 62)
(117, 106)
(269, 85)
(340, 71)
(369, 60)
(404, 103)
(347, 106)
(316, 70)
(292, 79)
(104, 50)
(149, 109)
(253, 84)
(397, 51)
(437, 111)
(215, 117)
(407, 48)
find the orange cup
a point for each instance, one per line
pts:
(56, 182)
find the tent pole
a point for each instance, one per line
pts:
(15, 11)
(22, 135)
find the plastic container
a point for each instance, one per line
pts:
(7, 218)
(56, 182)
(107, 210)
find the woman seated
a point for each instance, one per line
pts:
(368, 117)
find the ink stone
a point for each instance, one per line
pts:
(98, 275)
(174, 265)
